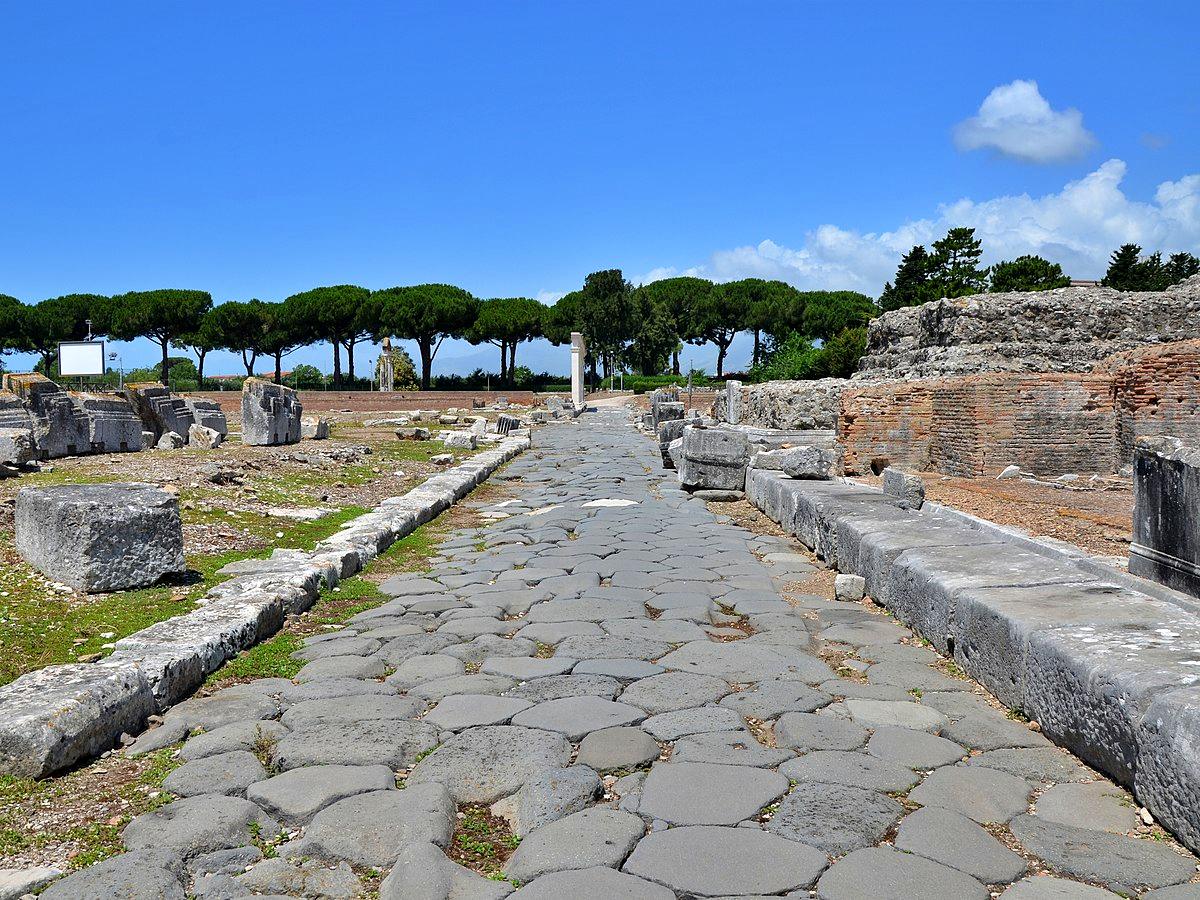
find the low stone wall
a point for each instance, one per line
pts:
(787, 405)
(1107, 671)
(52, 718)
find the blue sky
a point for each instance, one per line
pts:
(256, 150)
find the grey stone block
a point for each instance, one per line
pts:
(714, 458)
(907, 488)
(270, 413)
(1166, 485)
(112, 424)
(160, 411)
(60, 426)
(207, 413)
(100, 537)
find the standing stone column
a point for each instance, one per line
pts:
(733, 402)
(578, 352)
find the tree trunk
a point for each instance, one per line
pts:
(350, 360)
(675, 361)
(426, 362)
(249, 364)
(756, 346)
(503, 360)
(200, 354)
(721, 359)
(512, 364)
(165, 365)
(279, 367)
(337, 363)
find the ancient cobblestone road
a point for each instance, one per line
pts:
(618, 673)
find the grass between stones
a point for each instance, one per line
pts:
(482, 842)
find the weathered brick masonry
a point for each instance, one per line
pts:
(1157, 392)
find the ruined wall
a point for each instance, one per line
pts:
(1156, 392)
(1065, 330)
(890, 420)
(789, 405)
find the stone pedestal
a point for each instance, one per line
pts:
(100, 537)
(578, 352)
(1166, 490)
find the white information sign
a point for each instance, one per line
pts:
(81, 358)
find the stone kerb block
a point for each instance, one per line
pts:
(1166, 490)
(799, 462)
(314, 428)
(909, 489)
(713, 458)
(207, 413)
(158, 409)
(100, 537)
(270, 413)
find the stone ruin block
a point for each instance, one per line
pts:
(159, 410)
(713, 459)
(505, 424)
(668, 411)
(113, 426)
(270, 413)
(459, 440)
(100, 537)
(17, 446)
(413, 433)
(1166, 505)
(207, 413)
(314, 428)
(60, 427)
(799, 462)
(202, 438)
(909, 489)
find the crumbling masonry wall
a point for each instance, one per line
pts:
(1156, 392)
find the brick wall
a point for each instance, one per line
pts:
(1156, 392)
(891, 420)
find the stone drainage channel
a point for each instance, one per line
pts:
(619, 674)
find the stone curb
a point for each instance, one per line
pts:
(54, 717)
(1108, 670)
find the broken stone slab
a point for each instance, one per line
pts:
(207, 413)
(270, 413)
(159, 410)
(1166, 485)
(314, 428)
(459, 440)
(100, 537)
(909, 489)
(714, 458)
(484, 764)
(112, 424)
(17, 447)
(424, 872)
(415, 433)
(60, 427)
(548, 796)
(798, 462)
(170, 440)
(204, 438)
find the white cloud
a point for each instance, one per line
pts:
(1077, 227)
(1015, 120)
(549, 298)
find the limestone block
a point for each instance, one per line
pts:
(459, 440)
(733, 401)
(60, 428)
(667, 411)
(207, 413)
(314, 428)
(113, 425)
(270, 413)
(16, 446)
(907, 488)
(1166, 485)
(506, 424)
(159, 410)
(100, 537)
(799, 462)
(171, 441)
(204, 438)
(415, 433)
(714, 458)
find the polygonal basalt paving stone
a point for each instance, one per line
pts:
(295, 797)
(621, 669)
(614, 749)
(711, 861)
(584, 610)
(880, 713)
(1100, 856)
(837, 818)
(423, 870)
(278, 877)
(461, 711)
(390, 742)
(729, 748)
(548, 796)
(592, 884)
(525, 668)
(672, 631)
(610, 647)
(578, 716)
(984, 795)
(1046, 887)
(408, 586)
(992, 733)
(704, 794)
(328, 688)
(855, 769)
(914, 749)
(223, 708)
(842, 687)
(442, 688)
(250, 736)
(352, 645)
(474, 627)
(419, 669)
(484, 764)
(223, 773)
(343, 667)
(312, 713)
(593, 837)
(1099, 805)
(370, 829)
(198, 825)
(956, 841)
(488, 646)
(771, 699)
(671, 726)
(915, 676)
(557, 687)
(674, 690)
(881, 873)
(809, 731)
(396, 652)
(741, 662)
(1050, 764)
(140, 875)
(554, 632)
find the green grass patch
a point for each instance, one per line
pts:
(270, 659)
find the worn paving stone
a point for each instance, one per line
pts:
(771, 699)
(370, 829)
(613, 749)
(234, 736)
(674, 690)
(689, 793)
(224, 773)
(1099, 856)
(992, 733)
(984, 795)
(435, 691)
(423, 871)
(558, 687)
(278, 877)
(329, 688)
(333, 711)
(671, 726)
(835, 818)
(554, 632)
(621, 669)
(1099, 805)
(484, 764)
(548, 796)
(592, 884)
(914, 749)
(588, 648)
(390, 742)
(711, 861)
(741, 662)
(418, 669)
(197, 825)
(878, 713)
(295, 797)
(914, 676)
(1037, 763)
(489, 646)
(956, 841)
(343, 667)
(730, 748)
(809, 731)
(525, 668)
(140, 875)
(460, 711)
(578, 716)
(1046, 887)
(881, 873)
(672, 631)
(856, 769)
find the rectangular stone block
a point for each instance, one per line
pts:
(207, 413)
(60, 428)
(112, 424)
(907, 488)
(160, 411)
(100, 537)
(1166, 541)
(714, 458)
(270, 413)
